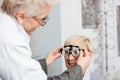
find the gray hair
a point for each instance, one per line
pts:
(80, 40)
(30, 7)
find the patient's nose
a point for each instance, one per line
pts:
(70, 57)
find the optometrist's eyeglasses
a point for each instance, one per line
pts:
(41, 21)
(70, 49)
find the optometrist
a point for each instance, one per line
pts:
(18, 19)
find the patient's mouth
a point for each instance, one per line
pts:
(71, 64)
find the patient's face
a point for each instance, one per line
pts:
(70, 60)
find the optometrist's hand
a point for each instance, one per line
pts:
(84, 60)
(53, 55)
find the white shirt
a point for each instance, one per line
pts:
(15, 53)
(87, 75)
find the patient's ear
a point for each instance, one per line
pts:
(20, 17)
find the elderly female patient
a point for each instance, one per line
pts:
(73, 47)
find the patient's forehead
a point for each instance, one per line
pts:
(77, 43)
(74, 44)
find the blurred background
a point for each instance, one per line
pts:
(97, 19)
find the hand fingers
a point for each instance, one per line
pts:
(57, 56)
(90, 54)
(81, 54)
(86, 52)
(56, 50)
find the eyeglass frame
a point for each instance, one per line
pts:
(41, 21)
(70, 50)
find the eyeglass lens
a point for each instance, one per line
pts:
(42, 21)
(70, 49)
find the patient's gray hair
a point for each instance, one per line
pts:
(80, 40)
(29, 7)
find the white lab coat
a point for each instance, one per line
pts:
(15, 53)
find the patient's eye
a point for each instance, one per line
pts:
(74, 51)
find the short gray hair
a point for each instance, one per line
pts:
(80, 40)
(30, 7)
